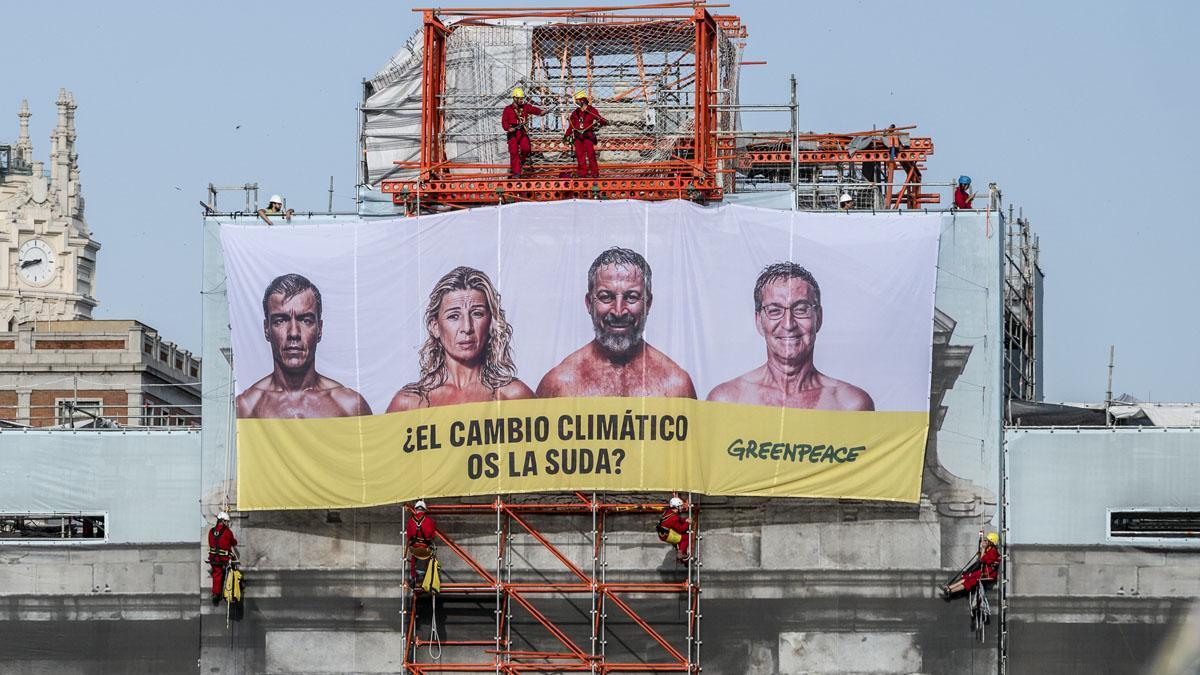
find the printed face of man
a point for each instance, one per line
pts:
(293, 328)
(789, 319)
(462, 325)
(619, 305)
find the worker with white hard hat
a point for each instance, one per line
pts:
(222, 550)
(420, 533)
(846, 202)
(673, 526)
(515, 120)
(275, 208)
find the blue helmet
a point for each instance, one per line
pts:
(964, 180)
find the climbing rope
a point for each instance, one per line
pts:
(434, 638)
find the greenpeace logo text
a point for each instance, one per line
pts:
(795, 452)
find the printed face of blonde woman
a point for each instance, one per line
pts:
(462, 325)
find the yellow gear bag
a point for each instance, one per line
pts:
(673, 537)
(432, 581)
(233, 585)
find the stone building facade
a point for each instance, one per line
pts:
(47, 253)
(69, 373)
(57, 367)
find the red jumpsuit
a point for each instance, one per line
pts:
(220, 549)
(582, 128)
(673, 520)
(513, 120)
(962, 198)
(420, 531)
(988, 570)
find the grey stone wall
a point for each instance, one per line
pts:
(788, 586)
(99, 609)
(787, 589)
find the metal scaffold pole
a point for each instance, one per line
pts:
(603, 608)
(501, 550)
(405, 589)
(1002, 634)
(595, 613)
(795, 145)
(508, 539)
(694, 614)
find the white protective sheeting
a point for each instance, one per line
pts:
(639, 74)
(1161, 414)
(1063, 481)
(391, 113)
(478, 59)
(147, 481)
(1128, 411)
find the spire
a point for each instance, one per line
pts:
(74, 194)
(60, 154)
(24, 145)
(62, 103)
(72, 156)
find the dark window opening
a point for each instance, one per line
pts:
(1154, 523)
(52, 526)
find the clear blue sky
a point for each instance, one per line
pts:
(1081, 111)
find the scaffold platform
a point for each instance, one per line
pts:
(517, 591)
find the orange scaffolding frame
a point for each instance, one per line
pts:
(703, 164)
(695, 171)
(886, 148)
(497, 654)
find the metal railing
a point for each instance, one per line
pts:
(825, 195)
(89, 413)
(53, 528)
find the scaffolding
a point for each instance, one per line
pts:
(665, 75)
(517, 595)
(656, 72)
(880, 169)
(1022, 281)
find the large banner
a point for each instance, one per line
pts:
(582, 346)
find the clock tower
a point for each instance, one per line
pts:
(47, 254)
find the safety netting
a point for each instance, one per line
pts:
(640, 74)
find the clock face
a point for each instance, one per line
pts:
(35, 262)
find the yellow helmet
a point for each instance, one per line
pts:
(580, 94)
(518, 93)
(993, 537)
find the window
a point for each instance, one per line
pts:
(1151, 525)
(77, 411)
(154, 415)
(53, 528)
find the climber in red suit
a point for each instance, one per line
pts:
(673, 528)
(222, 548)
(581, 130)
(515, 120)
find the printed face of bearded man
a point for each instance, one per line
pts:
(619, 304)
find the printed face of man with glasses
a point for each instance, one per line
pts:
(788, 315)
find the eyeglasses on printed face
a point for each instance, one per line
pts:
(800, 310)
